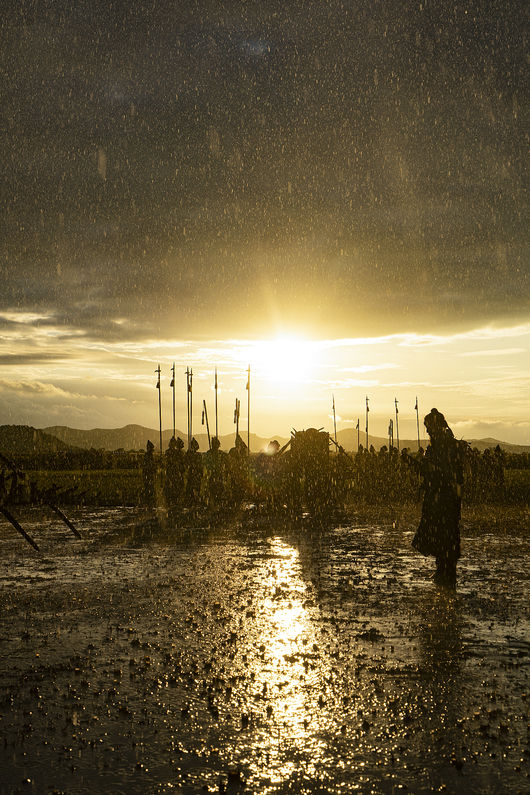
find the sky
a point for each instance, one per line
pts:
(332, 192)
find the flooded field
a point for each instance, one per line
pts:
(261, 659)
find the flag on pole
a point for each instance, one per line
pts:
(357, 426)
(367, 407)
(396, 405)
(158, 379)
(416, 406)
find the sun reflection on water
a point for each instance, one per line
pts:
(290, 668)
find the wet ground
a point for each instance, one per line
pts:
(261, 659)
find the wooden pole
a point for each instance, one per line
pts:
(191, 404)
(188, 402)
(417, 420)
(397, 422)
(216, 423)
(172, 385)
(17, 526)
(334, 420)
(65, 519)
(158, 371)
(236, 417)
(367, 412)
(205, 414)
(248, 410)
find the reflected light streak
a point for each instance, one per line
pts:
(289, 667)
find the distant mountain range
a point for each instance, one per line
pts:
(135, 437)
(20, 439)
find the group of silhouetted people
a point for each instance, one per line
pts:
(217, 479)
(220, 479)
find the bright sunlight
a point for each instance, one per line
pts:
(285, 362)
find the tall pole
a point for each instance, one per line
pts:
(248, 410)
(334, 419)
(367, 412)
(236, 417)
(159, 405)
(216, 424)
(417, 420)
(205, 416)
(188, 402)
(191, 404)
(390, 434)
(397, 422)
(172, 385)
(358, 433)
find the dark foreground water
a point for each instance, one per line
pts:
(259, 660)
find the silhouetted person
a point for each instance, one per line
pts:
(175, 470)
(441, 469)
(148, 476)
(194, 472)
(238, 471)
(216, 470)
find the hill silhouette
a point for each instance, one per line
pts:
(134, 437)
(22, 439)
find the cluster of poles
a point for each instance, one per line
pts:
(392, 425)
(189, 406)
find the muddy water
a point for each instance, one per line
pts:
(260, 660)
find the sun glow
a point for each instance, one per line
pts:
(285, 362)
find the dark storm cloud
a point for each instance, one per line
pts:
(32, 358)
(187, 162)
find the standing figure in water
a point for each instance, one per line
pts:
(442, 472)
(148, 476)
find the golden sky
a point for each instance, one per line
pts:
(479, 378)
(332, 192)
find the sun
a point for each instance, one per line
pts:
(286, 361)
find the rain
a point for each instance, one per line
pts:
(246, 249)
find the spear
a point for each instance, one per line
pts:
(248, 410)
(172, 385)
(397, 422)
(417, 420)
(188, 403)
(216, 425)
(205, 416)
(191, 404)
(158, 371)
(189, 395)
(236, 417)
